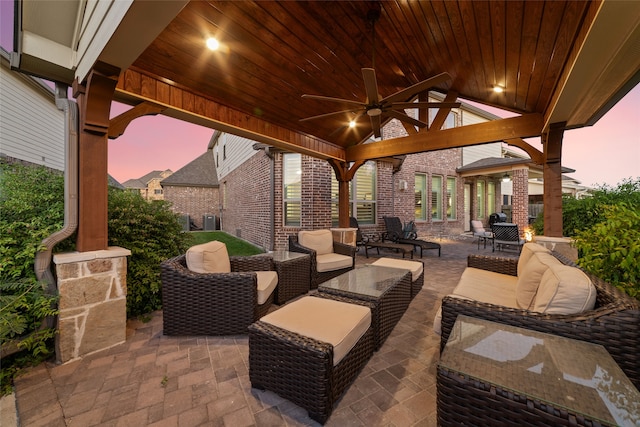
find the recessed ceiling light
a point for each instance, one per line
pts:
(498, 89)
(213, 43)
(352, 124)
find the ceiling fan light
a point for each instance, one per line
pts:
(373, 112)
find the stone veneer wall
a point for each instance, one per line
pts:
(93, 307)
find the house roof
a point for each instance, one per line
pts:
(201, 172)
(499, 164)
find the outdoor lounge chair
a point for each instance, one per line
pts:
(329, 259)
(396, 233)
(506, 234)
(480, 232)
(200, 303)
(377, 241)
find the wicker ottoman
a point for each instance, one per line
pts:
(415, 267)
(290, 351)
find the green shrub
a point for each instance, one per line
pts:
(152, 233)
(611, 249)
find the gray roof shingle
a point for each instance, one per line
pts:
(200, 172)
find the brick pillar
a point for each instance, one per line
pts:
(93, 307)
(520, 200)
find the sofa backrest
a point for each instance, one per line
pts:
(210, 257)
(527, 251)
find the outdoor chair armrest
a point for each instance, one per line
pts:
(295, 246)
(251, 263)
(503, 265)
(344, 249)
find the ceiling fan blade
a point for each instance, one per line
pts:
(333, 113)
(330, 99)
(406, 105)
(405, 118)
(375, 126)
(370, 85)
(407, 93)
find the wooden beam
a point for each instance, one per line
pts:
(536, 155)
(552, 180)
(344, 175)
(442, 113)
(482, 133)
(118, 124)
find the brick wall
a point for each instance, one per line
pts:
(520, 199)
(194, 201)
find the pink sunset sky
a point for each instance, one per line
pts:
(605, 153)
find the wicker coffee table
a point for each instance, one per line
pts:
(389, 289)
(495, 374)
(294, 275)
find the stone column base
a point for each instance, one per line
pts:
(562, 245)
(93, 305)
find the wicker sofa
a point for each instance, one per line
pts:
(323, 236)
(212, 303)
(613, 322)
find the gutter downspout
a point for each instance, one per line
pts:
(43, 258)
(272, 218)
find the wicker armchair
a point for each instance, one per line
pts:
(614, 322)
(320, 277)
(212, 303)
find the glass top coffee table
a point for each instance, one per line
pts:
(389, 289)
(494, 373)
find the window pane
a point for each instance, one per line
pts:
(491, 197)
(420, 197)
(451, 198)
(436, 197)
(292, 191)
(480, 199)
(364, 188)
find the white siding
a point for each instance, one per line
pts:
(478, 152)
(31, 126)
(238, 150)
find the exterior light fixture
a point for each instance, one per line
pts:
(498, 88)
(506, 178)
(213, 43)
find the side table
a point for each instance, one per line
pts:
(294, 275)
(495, 374)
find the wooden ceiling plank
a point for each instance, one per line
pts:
(481, 133)
(498, 37)
(484, 37)
(515, 19)
(463, 24)
(530, 33)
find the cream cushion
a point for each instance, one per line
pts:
(332, 261)
(527, 252)
(320, 241)
(210, 257)
(564, 290)
(337, 323)
(416, 268)
(267, 282)
(530, 275)
(483, 286)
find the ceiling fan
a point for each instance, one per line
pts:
(392, 106)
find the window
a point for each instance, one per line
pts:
(491, 197)
(436, 197)
(480, 197)
(421, 197)
(292, 191)
(362, 195)
(157, 191)
(451, 198)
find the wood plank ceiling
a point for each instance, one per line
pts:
(273, 52)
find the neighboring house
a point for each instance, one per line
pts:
(149, 184)
(193, 189)
(268, 194)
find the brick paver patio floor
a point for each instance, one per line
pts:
(158, 380)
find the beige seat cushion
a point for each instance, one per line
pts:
(414, 267)
(334, 322)
(331, 262)
(210, 257)
(267, 282)
(320, 241)
(527, 251)
(564, 290)
(529, 277)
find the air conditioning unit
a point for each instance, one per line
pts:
(209, 222)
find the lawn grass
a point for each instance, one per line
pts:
(235, 246)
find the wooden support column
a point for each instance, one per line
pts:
(552, 175)
(344, 175)
(94, 103)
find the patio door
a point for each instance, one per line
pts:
(467, 207)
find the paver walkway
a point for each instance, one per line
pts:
(158, 380)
